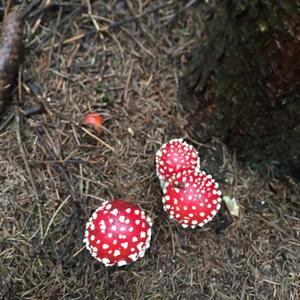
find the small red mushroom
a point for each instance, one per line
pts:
(192, 198)
(173, 157)
(118, 233)
(93, 120)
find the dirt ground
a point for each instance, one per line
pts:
(82, 56)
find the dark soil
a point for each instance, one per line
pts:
(54, 173)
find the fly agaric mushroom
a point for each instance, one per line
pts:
(93, 120)
(192, 198)
(173, 157)
(118, 233)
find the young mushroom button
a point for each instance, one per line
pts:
(192, 198)
(118, 233)
(173, 157)
(93, 120)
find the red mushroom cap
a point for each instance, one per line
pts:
(192, 198)
(93, 120)
(175, 156)
(118, 233)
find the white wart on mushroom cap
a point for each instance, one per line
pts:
(118, 233)
(192, 198)
(175, 156)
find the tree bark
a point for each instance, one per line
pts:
(243, 84)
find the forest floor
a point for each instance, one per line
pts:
(81, 56)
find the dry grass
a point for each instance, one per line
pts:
(53, 174)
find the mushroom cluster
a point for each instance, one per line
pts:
(118, 232)
(190, 196)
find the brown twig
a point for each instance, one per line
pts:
(60, 170)
(53, 217)
(29, 173)
(97, 139)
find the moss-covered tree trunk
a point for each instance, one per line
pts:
(243, 83)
